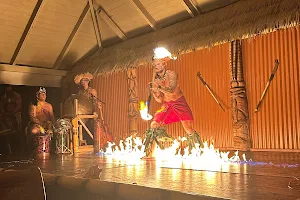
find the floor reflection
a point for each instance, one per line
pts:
(268, 178)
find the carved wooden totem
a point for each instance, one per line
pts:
(133, 111)
(239, 103)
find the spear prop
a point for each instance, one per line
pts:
(268, 84)
(208, 88)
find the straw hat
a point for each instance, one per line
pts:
(79, 77)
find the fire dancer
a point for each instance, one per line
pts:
(41, 115)
(166, 90)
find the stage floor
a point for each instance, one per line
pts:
(267, 177)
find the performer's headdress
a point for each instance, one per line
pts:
(41, 90)
(163, 53)
(84, 76)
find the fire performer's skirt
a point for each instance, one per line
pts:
(173, 111)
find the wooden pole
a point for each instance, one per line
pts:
(133, 111)
(80, 133)
(75, 127)
(239, 102)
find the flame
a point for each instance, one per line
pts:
(131, 150)
(161, 52)
(144, 111)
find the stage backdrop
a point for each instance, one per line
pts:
(275, 126)
(210, 120)
(277, 123)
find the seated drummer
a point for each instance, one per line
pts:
(41, 115)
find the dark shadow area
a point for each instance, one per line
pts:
(28, 94)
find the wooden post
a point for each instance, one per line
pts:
(133, 100)
(75, 127)
(80, 133)
(239, 102)
(97, 130)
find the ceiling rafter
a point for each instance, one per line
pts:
(190, 7)
(95, 24)
(112, 24)
(20, 47)
(73, 34)
(32, 70)
(146, 15)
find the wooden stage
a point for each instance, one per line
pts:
(266, 177)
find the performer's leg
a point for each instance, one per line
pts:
(154, 124)
(192, 136)
(188, 126)
(155, 132)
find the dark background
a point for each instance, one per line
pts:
(28, 94)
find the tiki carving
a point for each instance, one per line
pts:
(239, 102)
(132, 99)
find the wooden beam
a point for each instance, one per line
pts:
(31, 76)
(190, 7)
(32, 70)
(96, 25)
(112, 24)
(71, 37)
(147, 16)
(28, 28)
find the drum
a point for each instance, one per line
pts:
(85, 106)
(42, 144)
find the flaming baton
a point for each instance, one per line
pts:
(144, 111)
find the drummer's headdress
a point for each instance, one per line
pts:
(83, 76)
(41, 90)
(162, 53)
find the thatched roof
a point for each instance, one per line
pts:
(243, 19)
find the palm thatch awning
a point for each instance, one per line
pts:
(240, 20)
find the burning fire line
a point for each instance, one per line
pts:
(133, 149)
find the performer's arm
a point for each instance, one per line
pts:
(52, 116)
(171, 83)
(94, 93)
(32, 115)
(157, 96)
(18, 102)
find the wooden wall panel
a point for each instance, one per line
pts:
(113, 90)
(277, 123)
